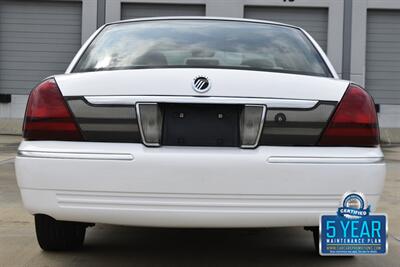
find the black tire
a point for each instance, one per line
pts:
(58, 235)
(315, 233)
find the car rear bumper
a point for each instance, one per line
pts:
(131, 184)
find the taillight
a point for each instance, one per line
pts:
(354, 122)
(47, 116)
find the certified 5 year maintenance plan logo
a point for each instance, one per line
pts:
(353, 230)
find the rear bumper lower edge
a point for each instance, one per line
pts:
(179, 210)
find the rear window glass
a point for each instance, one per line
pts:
(202, 44)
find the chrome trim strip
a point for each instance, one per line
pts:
(139, 121)
(261, 124)
(75, 155)
(269, 102)
(325, 160)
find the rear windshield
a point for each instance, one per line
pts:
(202, 44)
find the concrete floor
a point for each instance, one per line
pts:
(107, 245)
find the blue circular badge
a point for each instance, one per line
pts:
(353, 206)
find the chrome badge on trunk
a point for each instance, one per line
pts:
(201, 84)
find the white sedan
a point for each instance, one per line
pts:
(195, 122)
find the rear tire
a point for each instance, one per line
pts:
(315, 233)
(58, 235)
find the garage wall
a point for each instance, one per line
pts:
(140, 10)
(313, 20)
(38, 39)
(375, 59)
(382, 76)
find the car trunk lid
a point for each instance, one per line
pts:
(265, 108)
(224, 82)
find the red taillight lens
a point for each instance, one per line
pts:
(47, 116)
(354, 122)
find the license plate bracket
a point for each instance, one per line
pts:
(201, 125)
